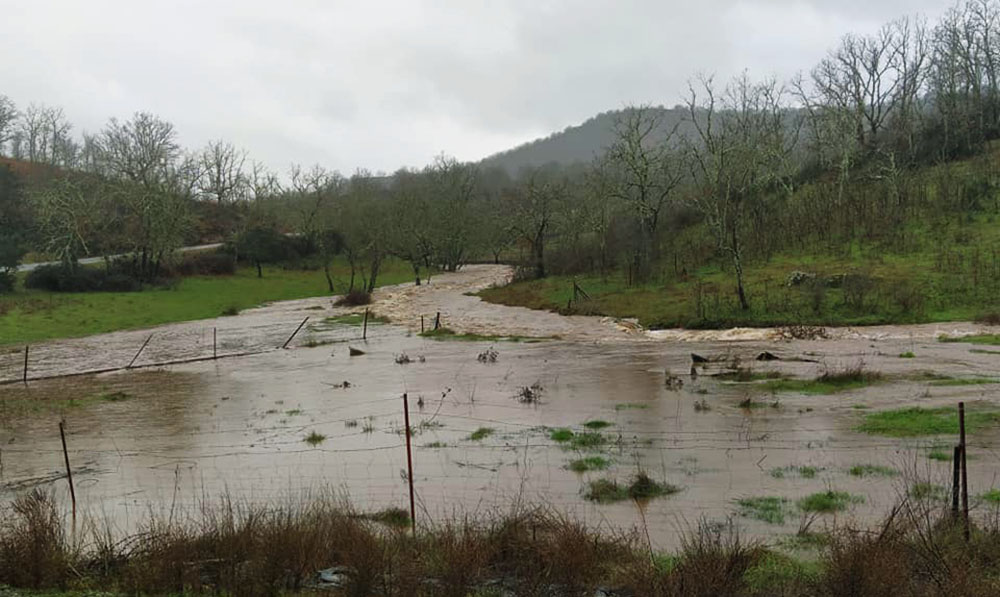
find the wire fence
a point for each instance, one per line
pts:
(173, 345)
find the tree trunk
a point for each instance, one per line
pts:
(538, 248)
(260, 272)
(329, 280)
(738, 266)
(416, 273)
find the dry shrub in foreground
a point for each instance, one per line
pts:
(242, 549)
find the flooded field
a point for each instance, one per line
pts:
(490, 426)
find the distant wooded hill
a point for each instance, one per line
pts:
(575, 144)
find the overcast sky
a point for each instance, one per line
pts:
(382, 84)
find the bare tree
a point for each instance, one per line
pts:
(643, 170)
(315, 188)
(453, 186)
(31, 127)
(739, 155)
(532, 211)
(8, 120)
(263, 183)
(223, 178)
(140, 150)
(60, 148)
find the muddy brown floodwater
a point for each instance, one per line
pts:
(173, 435)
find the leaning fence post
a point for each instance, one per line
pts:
(364, 330)
(285, 345)
(965, 470)
(141, 348)
(24, 377)
(437, 321)
(69, 472)
(409, 464)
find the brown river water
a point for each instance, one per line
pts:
(177, 434)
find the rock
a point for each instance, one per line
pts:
(355, 352)
(768, 356)
(697, 358)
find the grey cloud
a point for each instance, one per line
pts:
(390, 83)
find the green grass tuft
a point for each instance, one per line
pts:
(804, 471)
(828, 501)
(561, 435)
(481, 434)
(986, 339)
(642, 487)
(590, 463)
(770, 509)
(631, 406)
(872, 470)
(598, 424)
(907, 355)
(315, 439)
(992, 496)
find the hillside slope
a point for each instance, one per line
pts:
(575, 144)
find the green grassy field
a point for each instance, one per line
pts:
(906, 288)
(30, 316)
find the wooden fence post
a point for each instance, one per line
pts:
(24, 377)
(141, 348)
(409, 464)
(215, 343)
(285, 345)
(956, 480)
(364, 329)
(965, 470)
(69, 472)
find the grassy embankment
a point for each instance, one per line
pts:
(936, 266)
(30, 316)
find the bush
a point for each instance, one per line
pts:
(7, 280)
(355, 298)
(204, 264)
(59, 278)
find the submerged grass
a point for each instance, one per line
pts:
(804, 471)
(481, 434)
(444, 333)
(830, 382)
(770, 509)
(872, 470)
(315, 439)
(641, 487)
(986, 339)
(590, 463)
(828, 501)
(917, 421)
